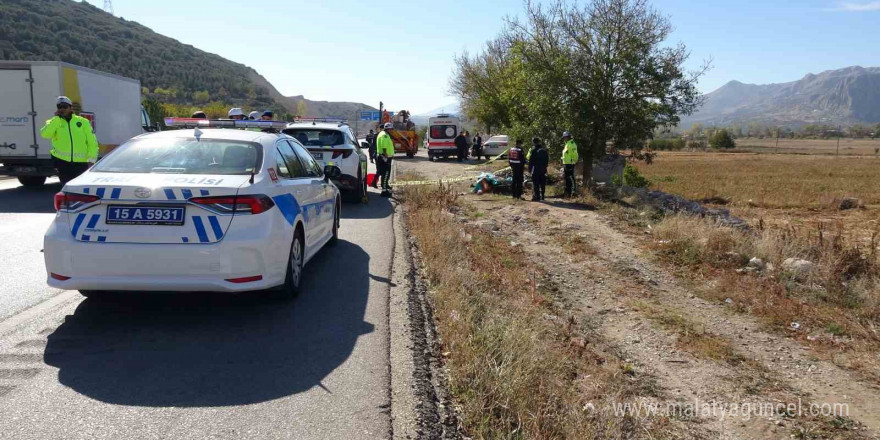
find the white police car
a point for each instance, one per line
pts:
(203, 209)
(331, 142)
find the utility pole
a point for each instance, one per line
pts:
(777, 139)
(838, 140)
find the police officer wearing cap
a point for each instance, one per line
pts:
(236, 114)
(538, 161)
(516, 158)
(267, 115)
(385, 154)
(74, 146)
(569, 160)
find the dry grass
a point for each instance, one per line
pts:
(517, 367)
(840, 297)
(409, 176)
(691, 337)
(860, 147)
(576, 246)
(763, 180)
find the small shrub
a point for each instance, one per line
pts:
(632, 177)
(722, 140)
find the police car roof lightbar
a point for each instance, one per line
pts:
(222, 123)
(332, 120)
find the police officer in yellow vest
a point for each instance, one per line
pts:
(74, 146)
(569, 160)
(385, 153)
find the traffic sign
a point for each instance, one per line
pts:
(370, 116)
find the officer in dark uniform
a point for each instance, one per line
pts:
(462, 146)
(371, 145)
(516, 158)
(538, 162)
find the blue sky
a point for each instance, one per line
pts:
(402, 52)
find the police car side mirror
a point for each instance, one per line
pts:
(365, 145)
(332, 172)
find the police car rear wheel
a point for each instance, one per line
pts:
(94, 294)
(292, 281)
(335, 238)
(360, 188)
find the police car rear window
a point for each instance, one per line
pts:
(316, 137)
(443, 132)
(182, 156)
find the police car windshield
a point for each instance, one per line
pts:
(182, 156)
(316, 137)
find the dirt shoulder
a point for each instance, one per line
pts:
(694, 352)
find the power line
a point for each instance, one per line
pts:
(108, 7)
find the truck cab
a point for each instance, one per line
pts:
(29, 89)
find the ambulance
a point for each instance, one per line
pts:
(440, 137)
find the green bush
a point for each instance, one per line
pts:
(631, 177)
(722, 140)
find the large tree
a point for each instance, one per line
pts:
(601, 71)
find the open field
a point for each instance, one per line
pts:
(767, 180)
(781, 190)
(848, 147)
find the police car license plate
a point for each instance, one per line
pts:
(318, 156)
(139, 215)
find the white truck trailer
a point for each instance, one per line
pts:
(28, 90)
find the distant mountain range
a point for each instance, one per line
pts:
(845, 96)
(171, 71)
(348, 110)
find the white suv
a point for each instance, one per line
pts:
(333, 143)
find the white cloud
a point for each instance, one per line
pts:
(859, 6)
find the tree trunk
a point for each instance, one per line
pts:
(588, 165)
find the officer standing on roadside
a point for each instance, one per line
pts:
(538, 162)
(569, 160)
(371, 145)
(516, 160)
(461, 146)
(478, 146)
(385, 152)
(74, 146)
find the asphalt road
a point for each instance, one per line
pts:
(196, 366)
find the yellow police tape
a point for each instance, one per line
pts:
(439, 181)
(433, 182)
